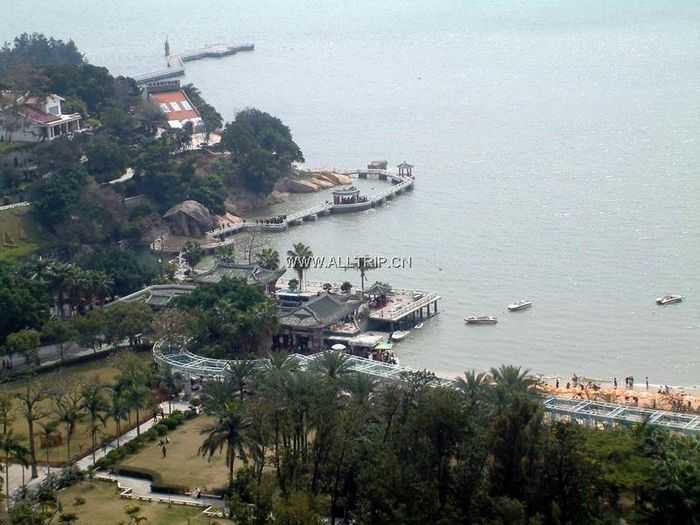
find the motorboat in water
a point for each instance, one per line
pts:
(669, 299)
(419, 326)
(398, 335)
(519, 305)
(481, 319)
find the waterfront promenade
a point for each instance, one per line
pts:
(588, 412)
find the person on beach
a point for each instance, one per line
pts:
(646, 380)
(557, 383)
(615, 382)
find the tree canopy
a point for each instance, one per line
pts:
(263, 149)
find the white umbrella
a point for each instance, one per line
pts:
(338, 347)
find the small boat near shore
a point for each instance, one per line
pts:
(481, 319)
(519, 305)
(418, 326)
(398, 335)
(669, 299)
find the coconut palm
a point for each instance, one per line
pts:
(69, 412)
(361, 387)
(511, 381)
(48, 430)
(96, 407)
(300, 256)
(473, 386)
(268, 258)
(227, 433)
(242, 371)
(118, 411)
(14, 451)
(331, 364)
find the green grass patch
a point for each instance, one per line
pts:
(20, 236)
(102, 504)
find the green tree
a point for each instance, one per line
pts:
(24, 342)
(192, 253)
(69, 411)
(54, 198)
(48, 431)
(91, 329)
(300, 257)
(263, 149)
(268, 258)
(128, 321)
(96, 407)
(59, 332)
(107, 159)
(227, 433)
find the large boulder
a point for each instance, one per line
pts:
(301, 186)
(189, 218)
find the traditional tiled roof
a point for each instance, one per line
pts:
(318, 312)
(251, 273)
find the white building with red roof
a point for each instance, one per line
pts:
(178, 109)
(35, 119)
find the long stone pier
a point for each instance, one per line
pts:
(400, 183)
(176, 63)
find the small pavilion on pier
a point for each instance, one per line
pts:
(405, 169)
(349, 195)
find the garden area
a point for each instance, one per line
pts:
(182, 465)
(60, 403)
(99, 501)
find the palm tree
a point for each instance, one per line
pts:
(15, 451)
(118, 411)
(241, 372)
(333, 365)
(96, 407)
(226, 433)
(300, 256)
(361, 387)
(473, 386)
(511, 381)
(69, 412)
(268, 258)
(48, 431)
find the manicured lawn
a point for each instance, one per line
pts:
(183, 466)
(102, 371)
(104, 506)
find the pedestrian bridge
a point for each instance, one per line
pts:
(586, 412)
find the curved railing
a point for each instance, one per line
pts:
(591, 411)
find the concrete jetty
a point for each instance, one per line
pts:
(399, 183)
(176, 62)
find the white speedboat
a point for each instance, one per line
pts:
(520, 305)
(481, 319)
(399, 334)
(419, 326)
(669, 299)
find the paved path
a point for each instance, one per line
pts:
(18, 474)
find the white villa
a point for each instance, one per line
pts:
(35, 119)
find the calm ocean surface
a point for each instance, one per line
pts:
(556, 144)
